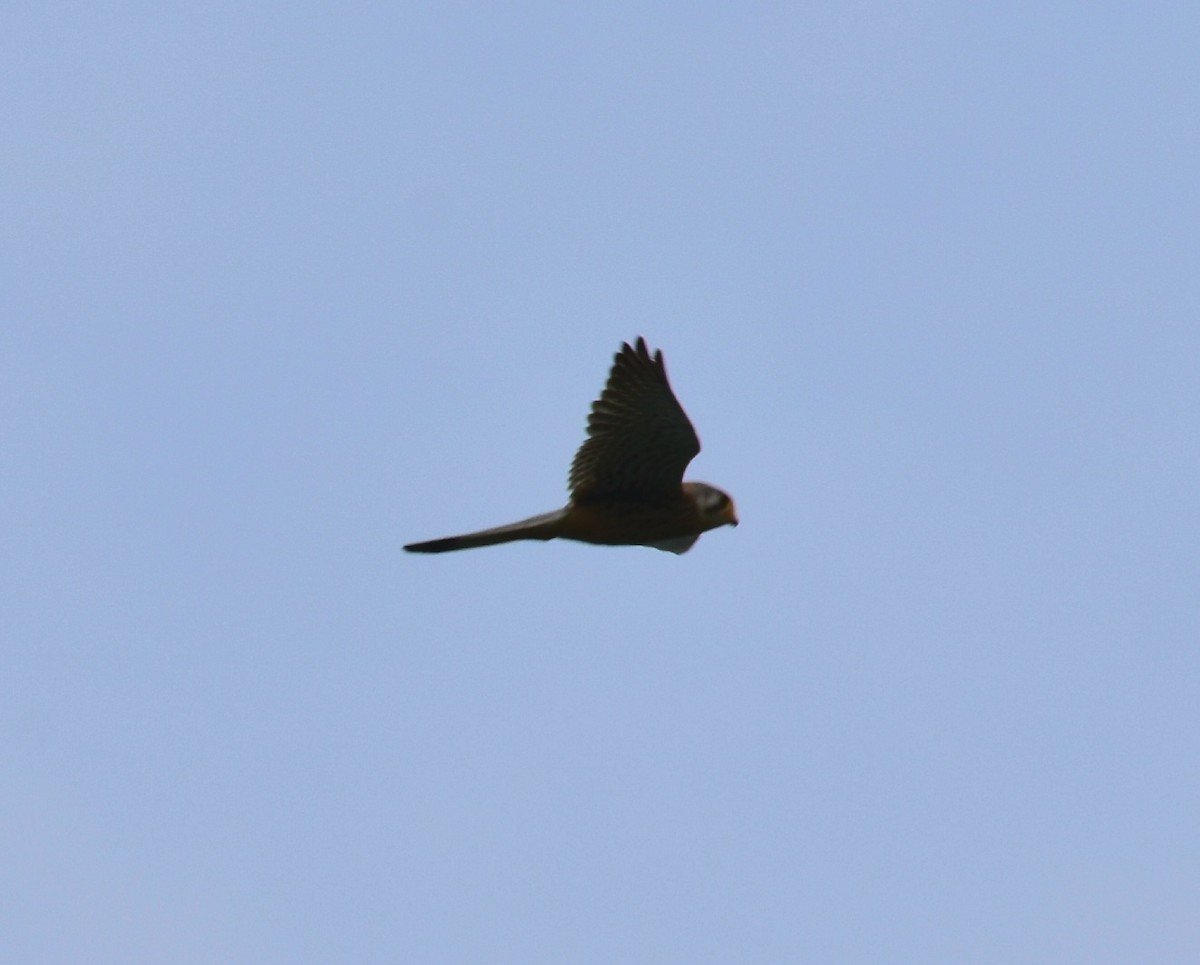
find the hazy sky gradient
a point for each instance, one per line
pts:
(288, 286)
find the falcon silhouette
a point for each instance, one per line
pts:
(626, 480)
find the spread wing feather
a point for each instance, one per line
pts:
(639, 438)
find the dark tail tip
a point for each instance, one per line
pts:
(433, 546)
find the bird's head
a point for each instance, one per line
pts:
(714, 506)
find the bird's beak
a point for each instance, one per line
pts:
(731, 516)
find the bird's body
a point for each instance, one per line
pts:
(626, 480)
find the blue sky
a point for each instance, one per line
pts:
(288, 286)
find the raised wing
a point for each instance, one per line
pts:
(639, 438)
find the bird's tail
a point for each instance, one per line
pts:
(546, 526)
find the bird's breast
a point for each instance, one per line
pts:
(630, 522)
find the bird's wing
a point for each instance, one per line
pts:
(639, 438)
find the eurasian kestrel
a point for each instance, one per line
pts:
(626, 482)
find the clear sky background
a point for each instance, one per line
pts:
(286, 286)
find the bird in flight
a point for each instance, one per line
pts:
(626, 481)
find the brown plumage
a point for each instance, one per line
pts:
(626, 480)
